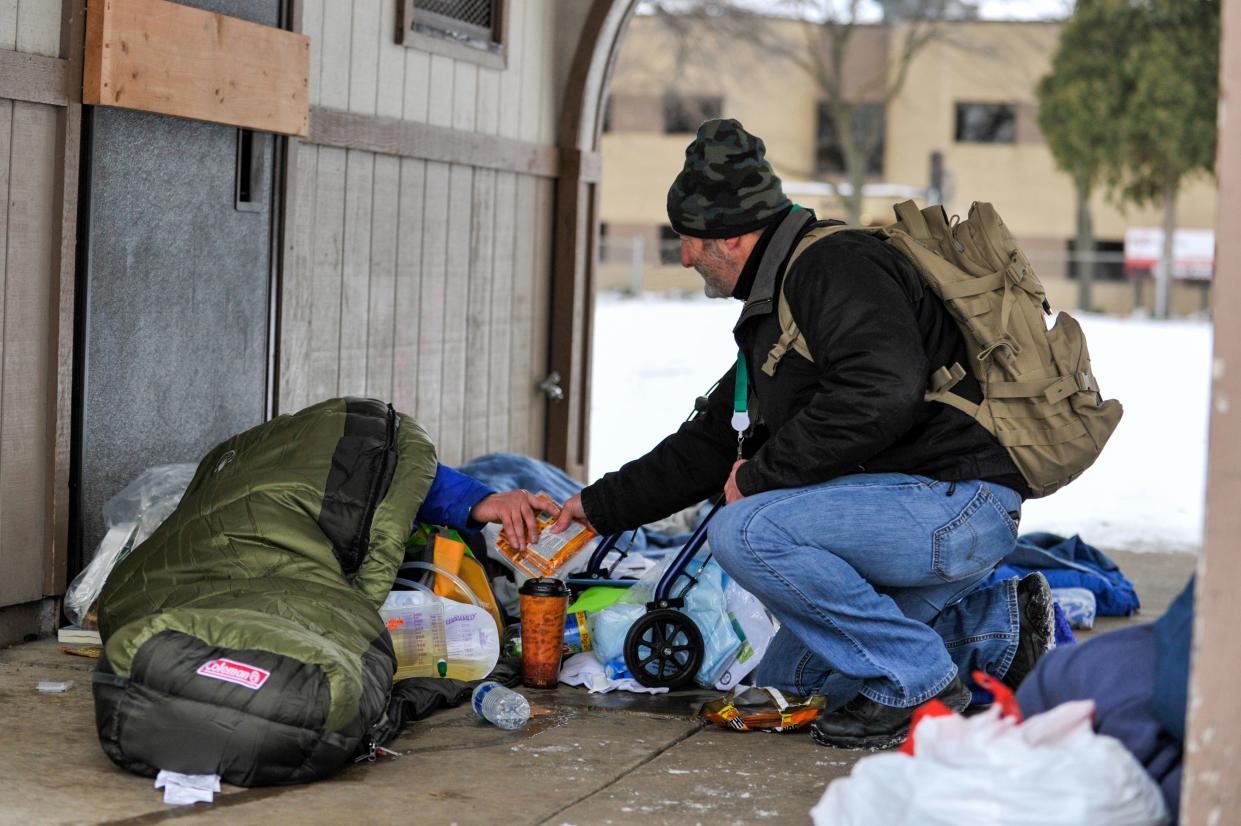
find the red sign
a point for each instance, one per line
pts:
(231, 671)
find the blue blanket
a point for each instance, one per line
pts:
(1071, 563)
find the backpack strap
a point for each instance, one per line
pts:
(790, 334)
(939, 389)
(782, 240)
(913, 221)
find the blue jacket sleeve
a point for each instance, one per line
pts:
(451, 498)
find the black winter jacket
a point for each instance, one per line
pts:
(876, 334)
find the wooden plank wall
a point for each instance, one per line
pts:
(421, 281)
(29, 235)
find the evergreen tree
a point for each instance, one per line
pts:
(1168, 126)
(1078, 110)
(1131, 102)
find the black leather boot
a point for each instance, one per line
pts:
(1038, 627)
(864, 724)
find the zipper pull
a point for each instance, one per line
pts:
(369, 757)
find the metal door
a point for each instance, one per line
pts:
(175, 286)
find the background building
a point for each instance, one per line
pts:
(964, 122)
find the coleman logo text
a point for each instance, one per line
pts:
(231, 671)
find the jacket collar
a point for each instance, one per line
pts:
(786, 234)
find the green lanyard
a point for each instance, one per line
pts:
(741, 394)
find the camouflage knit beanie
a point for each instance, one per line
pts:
(726, 188)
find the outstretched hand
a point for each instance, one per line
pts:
(571, 511)
(515, 510)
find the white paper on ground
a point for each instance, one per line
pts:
(585, 670)
(184, 789)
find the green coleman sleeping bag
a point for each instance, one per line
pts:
(243, 637)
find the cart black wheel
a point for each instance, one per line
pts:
(663, 649)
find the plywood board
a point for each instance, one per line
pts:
(38, 27)
(408, 308)
(453, 401)
(25, 365)
(363, 62)
(522, 314)
(541, 311)
(385, 215)
(510, 80)
(440, 100)
(355, 273)
(417, 94)
(464, 96)
(431, 321)
(157, 56)
(324, 344)
(547, 81)
(391, 91)
(8, 24)
(480, 316)
(501, 368)
(297, 289)
(487, 120)
(531, 71)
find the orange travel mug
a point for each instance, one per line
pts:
(543, 603)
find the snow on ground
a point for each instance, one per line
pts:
(654, 354)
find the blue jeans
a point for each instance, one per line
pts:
(874, 580)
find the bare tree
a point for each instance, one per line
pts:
(817, 37)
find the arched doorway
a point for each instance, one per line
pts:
(577, 194)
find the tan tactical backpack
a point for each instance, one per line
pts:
(1040, 398)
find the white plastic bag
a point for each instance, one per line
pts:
(1052, 769)
(754, 627)
(130, 516)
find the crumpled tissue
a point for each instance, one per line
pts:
(184, 789)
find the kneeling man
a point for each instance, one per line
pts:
(862, 516)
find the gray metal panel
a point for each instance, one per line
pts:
(177, 290)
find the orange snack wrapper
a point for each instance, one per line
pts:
(548, 554)
(763, 709)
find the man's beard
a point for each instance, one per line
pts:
(709, 264)
(712, 286)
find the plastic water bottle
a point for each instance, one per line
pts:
(500, 706)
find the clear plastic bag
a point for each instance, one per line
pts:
(130, 516)
(1053, 768)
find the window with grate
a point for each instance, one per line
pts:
(986, 123)
(669, 246)
(683, 113)
(1108, 257)
(476, 23)
(868, 133)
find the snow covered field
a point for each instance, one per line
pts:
(654, 354)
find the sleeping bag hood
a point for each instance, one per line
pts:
(243, 637)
